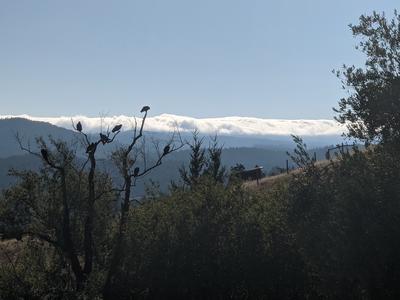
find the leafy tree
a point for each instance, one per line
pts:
(372, 109)
(51, 207)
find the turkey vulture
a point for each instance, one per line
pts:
(166, 150)
(116, 128)
(79, 126)
(145, 108)
(45, 155)
(104, 139)
(136, 171)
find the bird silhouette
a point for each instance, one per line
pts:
(116, 128)
(136, 171)
(145, 108)
(45, 155)
(90, 148)
(104, 139)
(166, 150)
(79, 126)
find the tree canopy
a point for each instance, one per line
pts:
(372, 108)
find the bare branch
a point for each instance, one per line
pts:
(28, 150)
(159, 160)
(109, 191)
(137, 137)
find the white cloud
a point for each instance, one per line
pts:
(222, 126)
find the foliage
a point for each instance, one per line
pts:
(203, 163)
(329, 232)
(212, 242)
(345, 218)
(197, 162)
(372, 109)
(300, 155)
(33, 212)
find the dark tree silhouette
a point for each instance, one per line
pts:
(372, 109)
(126, 159)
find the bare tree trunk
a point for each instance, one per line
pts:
(119, 247)
(118, 252)
(88, 235)
(68, 246)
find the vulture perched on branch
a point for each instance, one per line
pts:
(45, 155)
(117, 128)
(166, 150)
(104, 139)
(136, 171)
(79, 127)
(145, 108)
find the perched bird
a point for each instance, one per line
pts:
(104, 139)
(166, 150)
(136, 171)
(116, 128)
(90, 148)
(145, 108)
(45, 155)
(79, 126)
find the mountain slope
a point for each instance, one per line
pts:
(28, 130)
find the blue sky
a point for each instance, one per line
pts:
(208, 58)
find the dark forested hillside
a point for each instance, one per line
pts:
(169, 170)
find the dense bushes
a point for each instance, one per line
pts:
(213, 242)
(328, 232)
(346, 218)
(331, 232)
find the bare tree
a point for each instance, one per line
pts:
(127, 159)
(91, 148)
(132, 162)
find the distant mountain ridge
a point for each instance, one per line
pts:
(30, 129)
(268, 151)
(27, 130)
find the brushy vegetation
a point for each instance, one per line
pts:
(329, 231)
(326, 233)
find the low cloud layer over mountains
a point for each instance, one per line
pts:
(228, 126)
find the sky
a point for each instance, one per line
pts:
(208, 58)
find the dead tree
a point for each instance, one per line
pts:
(61, 161)
(127, 159)
(91, 148)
